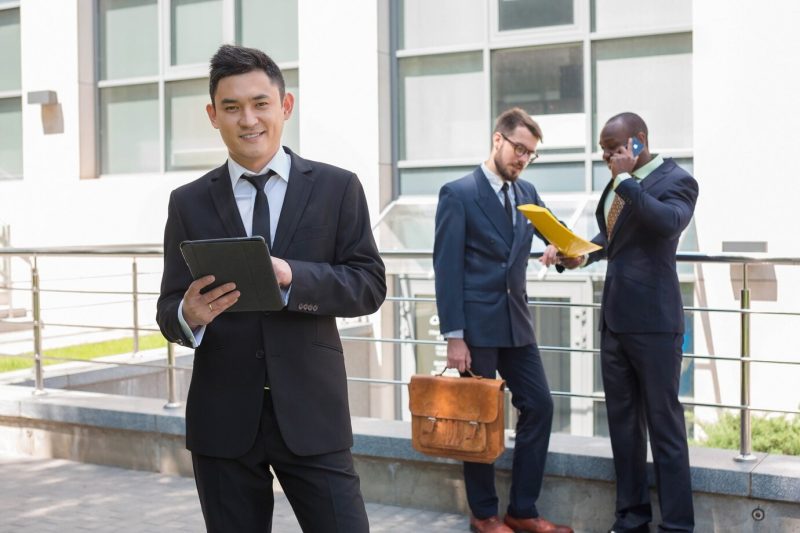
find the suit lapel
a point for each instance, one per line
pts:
(219, 187)
(520, 226)
(490, 205)
(294, 203)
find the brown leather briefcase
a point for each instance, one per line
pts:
(458, 418)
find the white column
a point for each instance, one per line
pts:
(343, 70)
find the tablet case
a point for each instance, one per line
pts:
(242, 260)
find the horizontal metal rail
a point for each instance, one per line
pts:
(144, 251)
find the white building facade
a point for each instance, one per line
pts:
(102, 114)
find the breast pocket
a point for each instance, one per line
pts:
(308, 233)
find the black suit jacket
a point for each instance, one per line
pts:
(324, 234)
(641, 292)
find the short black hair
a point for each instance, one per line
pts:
(231, 60)
(633, 122)
(511, 119)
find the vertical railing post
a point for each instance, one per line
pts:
(172, 379)
(37, 329)
(135, 275)
(745, 435)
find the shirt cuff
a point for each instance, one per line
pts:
(285, 294)
(196, 336)
(584, 261)
(620, 178)
(455, 334)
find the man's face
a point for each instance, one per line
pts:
(613, 138)
(249, 113)
(510, 165)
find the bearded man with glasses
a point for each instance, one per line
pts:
(480, 257)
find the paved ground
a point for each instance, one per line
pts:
(53, 495)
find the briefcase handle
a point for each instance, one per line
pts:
(471, 373)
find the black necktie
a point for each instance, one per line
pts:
(261, 206)
(507, 199)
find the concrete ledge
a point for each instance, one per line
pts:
(139, 433)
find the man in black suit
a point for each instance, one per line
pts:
(269, 390)
(480, 255)
(644, 208)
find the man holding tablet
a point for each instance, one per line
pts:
(269, 390)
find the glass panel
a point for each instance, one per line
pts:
(623, 15)
(196, 30)
(600, 175)
(429, 180)
(408, 227)
(192, 142)
(555, 177)
(291, 128)
(122, 23)
(552, 327)
(10, 74)
(542, 80)
(10, 138)
(657, 76)
(518, 14)
(420, 22)
(268, 26)
(443, 111)
(129, 129)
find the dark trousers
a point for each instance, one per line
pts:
(641, 374)
(236, 494)
(524, 374)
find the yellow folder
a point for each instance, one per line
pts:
(569, 244)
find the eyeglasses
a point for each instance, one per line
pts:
(521, 151)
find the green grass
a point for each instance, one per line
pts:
(84, 351)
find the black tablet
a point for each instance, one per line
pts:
(242, 260)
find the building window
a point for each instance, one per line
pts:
(570, 64)
(526, 14)
(442, 106)
(10, 96)
(152, 96)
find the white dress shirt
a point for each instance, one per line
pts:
(245, 195)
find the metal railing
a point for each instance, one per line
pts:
(32, 255)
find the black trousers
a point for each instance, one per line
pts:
(524, 374)
(236, 494)
(641, 375)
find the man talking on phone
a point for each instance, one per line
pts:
(645, 207)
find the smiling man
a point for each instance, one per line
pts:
(480, 256)
(268, 390)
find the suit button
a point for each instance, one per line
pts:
(508, 291)
(503, 265)
(315, 308)
(259, 354)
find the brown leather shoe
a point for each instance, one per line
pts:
(534, 525)
(487, 525)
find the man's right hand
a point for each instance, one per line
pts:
(458, 355)
(572, 262)
(202, 309)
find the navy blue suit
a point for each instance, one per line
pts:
(641, 349)
(480, 260)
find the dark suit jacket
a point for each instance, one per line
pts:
(324, 234)
(641, 293)
(480, 261)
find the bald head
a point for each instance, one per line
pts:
(630, 123)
